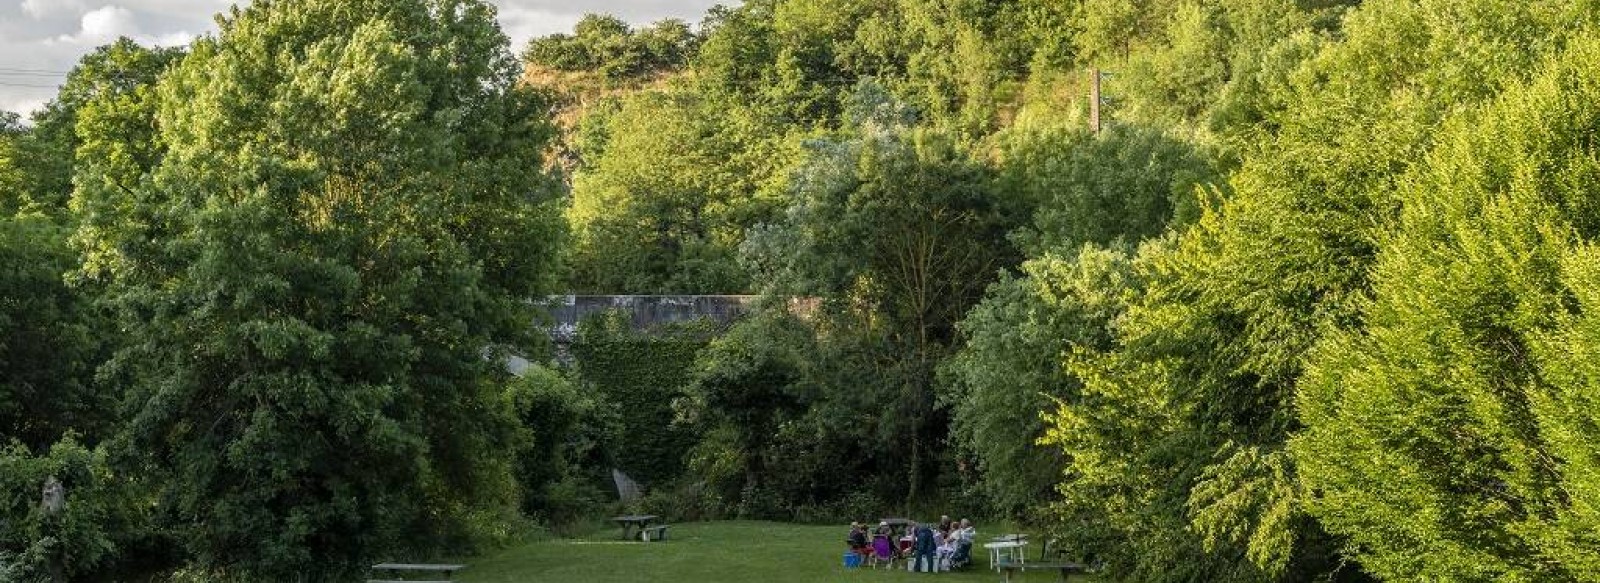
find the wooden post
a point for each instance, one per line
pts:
(1094, 100)
(52, 500)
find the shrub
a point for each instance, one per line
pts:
(102, 519)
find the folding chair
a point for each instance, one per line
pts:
(883, 551)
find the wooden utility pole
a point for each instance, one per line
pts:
(52, 501)
(1094, 100)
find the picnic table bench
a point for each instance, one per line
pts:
(650, 533)
(397, 569)
(641, 523)
(1007, 568)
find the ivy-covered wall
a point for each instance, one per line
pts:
(640, 373)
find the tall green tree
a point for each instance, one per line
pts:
(1012, 367)
(1130, 183)
(1453, 434)
(898, 231)
(663, 200)
(320, 278)
(43, 158)
(1181, 442)
(50, 340)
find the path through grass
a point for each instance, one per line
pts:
(706, 552)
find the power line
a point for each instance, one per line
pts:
(5, 73)
(29, 86)
(39, 71)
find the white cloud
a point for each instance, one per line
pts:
(171, 39)
(108, 23)
(521, 24)
(102, 25)
(46, 8)
(24, 107)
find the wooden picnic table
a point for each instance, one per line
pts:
(395, 569)
(629, 523)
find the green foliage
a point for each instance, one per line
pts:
(37, 166)
(640, 373)
(103, 525)
(1452, 434)
(1179, 451)
(566, 431)
(607, 45)
(1127, 183)
(751, 389)
(937, 233)
(1011, 368)
(662, 201)
(51, 340)
(319, 278)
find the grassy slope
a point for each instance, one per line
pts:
(707, 552)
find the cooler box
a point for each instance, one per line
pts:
(852, 560)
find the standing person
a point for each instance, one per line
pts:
(944, 524)
(923, 550)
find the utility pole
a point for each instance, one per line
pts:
(1094, 100)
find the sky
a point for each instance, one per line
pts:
(40, 40)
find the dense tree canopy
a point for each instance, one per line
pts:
(335, 269)
(1312, 303)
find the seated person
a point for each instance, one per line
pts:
(944, 548)
(963, 535)
(857, 539)
(964, 531)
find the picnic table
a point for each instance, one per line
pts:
(629, 523)
(1007, 568)
(395, 571)
(1012, 549)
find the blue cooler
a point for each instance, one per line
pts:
(852, 560)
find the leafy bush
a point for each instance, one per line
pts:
(102, 524)
(561, 462)
(683, 501)
(607, 45)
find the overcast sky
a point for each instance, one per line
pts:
(41, 39)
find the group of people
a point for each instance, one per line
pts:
(925, 547)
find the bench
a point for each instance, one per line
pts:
(651, 533)
(1007, 568)
(396, 569)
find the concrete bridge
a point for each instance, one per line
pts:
(645, 312)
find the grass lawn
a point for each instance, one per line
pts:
(708, 552)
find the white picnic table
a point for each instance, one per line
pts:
(1011, 546)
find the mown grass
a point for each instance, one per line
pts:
(708, 552)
